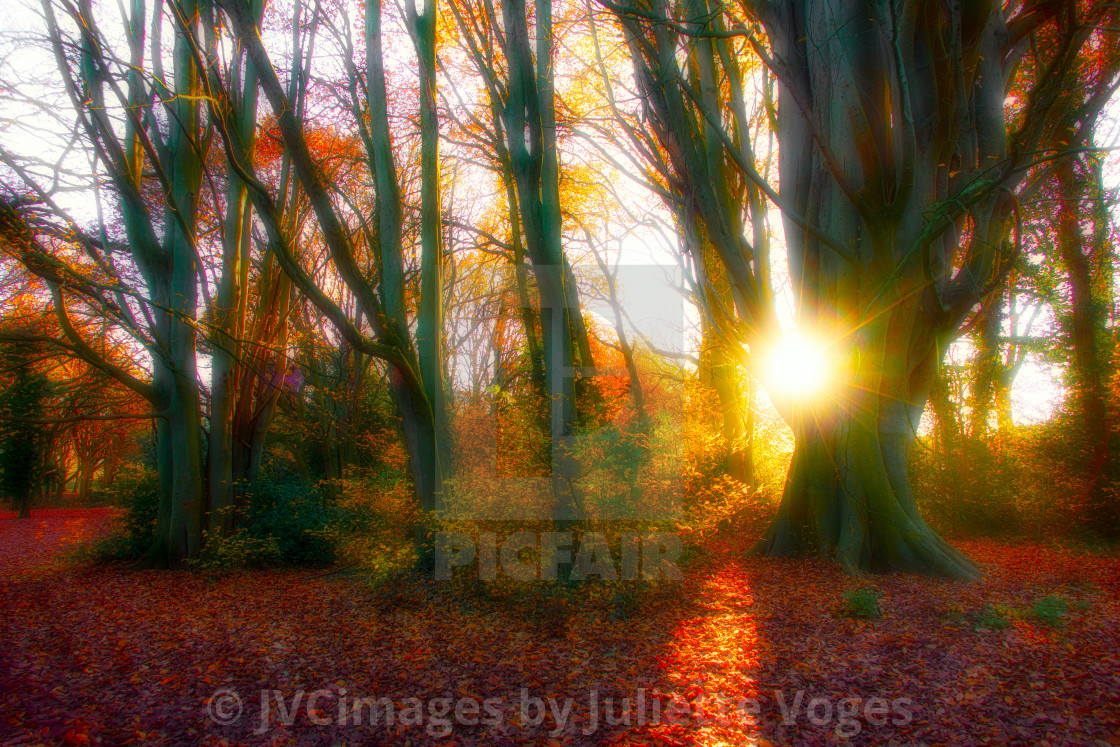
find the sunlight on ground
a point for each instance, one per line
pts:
(712, 666)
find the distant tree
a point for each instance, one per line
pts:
(521, 134)
(22, 434)
(1085, 245)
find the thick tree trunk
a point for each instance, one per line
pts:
(179, 519)
(902, 172)
(847, 495)
(187, 501)
(428, 419)
(427, 457)
(158, 552)
(176, 375)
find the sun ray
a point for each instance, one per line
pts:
(797, 367)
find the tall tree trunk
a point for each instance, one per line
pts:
(230, 309)
(431, 428)
(720, 371)
(173, 274)
(85, 479)
(531, 141)
(1084, 328)
(188, 503)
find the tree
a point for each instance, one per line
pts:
(898, 178)
(138, 271)
(415, 364)
(23, 435)
(679, 157)
(1084, 244)
(523, 136)
(1069, 234)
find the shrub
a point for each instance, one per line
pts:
(286, 521)
(238, 550)
(136, 490)
(862, 604)
(283, 520)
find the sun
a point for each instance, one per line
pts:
(797, 367)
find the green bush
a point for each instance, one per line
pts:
(136, 490)
(862, 604)
(238, 549)
(283, 521)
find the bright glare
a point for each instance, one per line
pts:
(796, 367)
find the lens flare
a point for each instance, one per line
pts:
(797, 367)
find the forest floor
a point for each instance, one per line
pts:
(743, 651)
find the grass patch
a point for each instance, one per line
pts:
(862, 604)
(994, 617)
(1050, 611)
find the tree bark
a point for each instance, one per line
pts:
(1084, 328)
(85, 480)
(889, 157)
(531, 134)
(432, 462)
(230, 306)
(847, 495)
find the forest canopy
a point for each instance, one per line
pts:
(768, 268)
